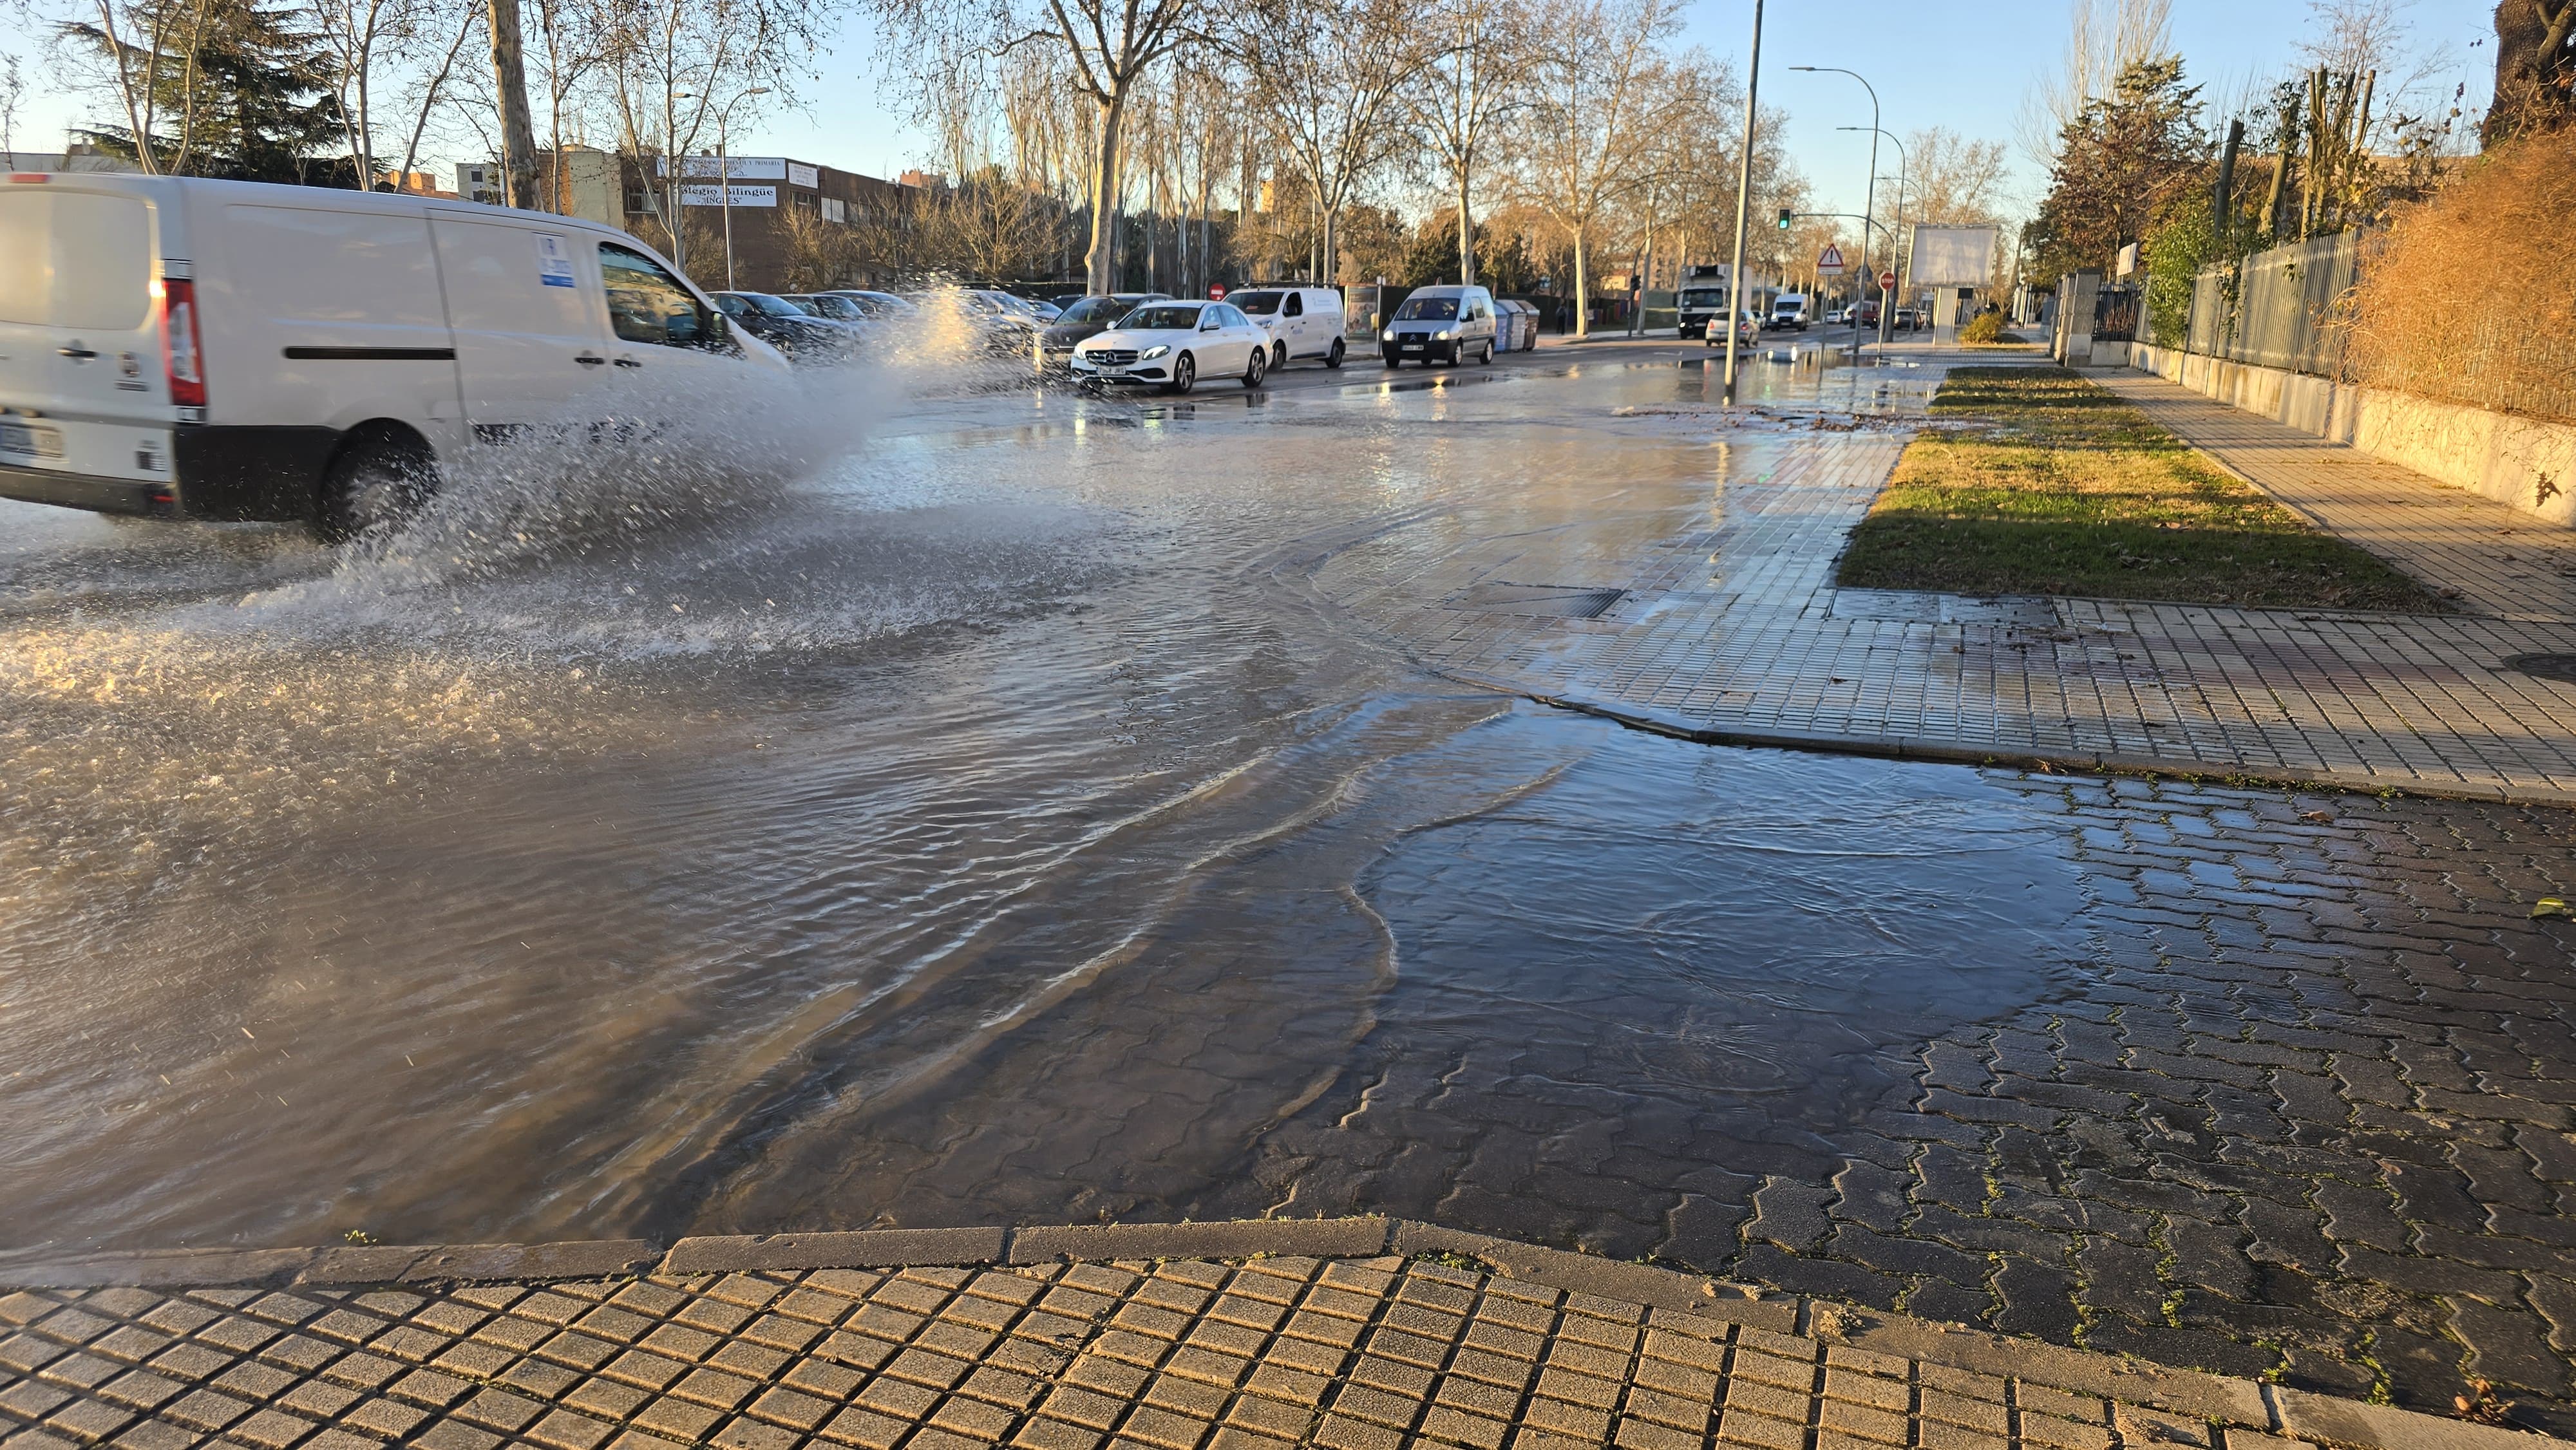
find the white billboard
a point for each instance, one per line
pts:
(715, 195)
(1952, 257)
(800, 174)
(735, 168)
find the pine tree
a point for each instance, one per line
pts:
(241, 91)
(2120, 163)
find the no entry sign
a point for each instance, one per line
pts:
(1886, 281)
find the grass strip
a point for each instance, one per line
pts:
(2050, 484)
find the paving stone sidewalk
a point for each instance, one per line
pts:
(2505, 564)
(1723, 620)
(1065, 1339)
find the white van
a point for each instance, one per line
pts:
(1443, 324)
(1301, 321)
(1789, 311)
(184, 348)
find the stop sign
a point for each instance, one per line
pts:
(1886, 281)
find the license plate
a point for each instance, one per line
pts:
(1413, 347)
(33, 442)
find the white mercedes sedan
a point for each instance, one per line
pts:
(1171, 345)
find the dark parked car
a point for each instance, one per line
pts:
(1086, 317)
(795, 332)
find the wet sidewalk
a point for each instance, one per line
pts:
(1353, 1334)
(1712, 611)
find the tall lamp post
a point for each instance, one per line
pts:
(1869, 199)
(1899, 260)
(724, 169)
(1743, 214)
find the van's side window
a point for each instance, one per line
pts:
(647, 304)
(1296, 306)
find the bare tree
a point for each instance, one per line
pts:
(13, 88)
(1107, 48)
(152, 47)
(359, 36)
(1324, 75)
(1950, 178)
(2104, 38)
(675, 68)
(1475, 79)
(1591, 95)
(430, 87)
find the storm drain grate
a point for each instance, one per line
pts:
(2561, 668)
(1546, 601)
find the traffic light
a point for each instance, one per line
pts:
(1784, 218)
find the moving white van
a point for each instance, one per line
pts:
(184, 348)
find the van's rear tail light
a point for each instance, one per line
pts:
(182, 341)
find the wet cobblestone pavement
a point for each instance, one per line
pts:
(1076, 1351)
(2304, 1117)
(1173, 892)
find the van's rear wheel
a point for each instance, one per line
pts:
(1333, 356)
(376, 480)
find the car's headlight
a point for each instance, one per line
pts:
(1387, 336)
(1157, 350)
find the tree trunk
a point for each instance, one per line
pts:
(1102, 259)
(1582, 286)
(1466, 236)
(518, 131)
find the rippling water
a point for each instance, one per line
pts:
(990, 825)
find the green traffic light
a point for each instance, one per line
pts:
(1784, 218)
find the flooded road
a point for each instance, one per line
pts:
(996, 825)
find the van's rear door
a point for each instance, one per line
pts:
(82, 373)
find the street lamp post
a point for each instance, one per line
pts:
(1743, 214)
(1869, 199)
(724, 169)
(1898, 260)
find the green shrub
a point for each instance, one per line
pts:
(1984, 327)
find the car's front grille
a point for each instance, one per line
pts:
(1116, 357)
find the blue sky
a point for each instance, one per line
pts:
(1964, 64)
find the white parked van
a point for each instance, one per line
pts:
(184, 348)
(1302, 321)
(1443, 324)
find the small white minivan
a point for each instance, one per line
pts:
(1303, 322)
(1440, 324)
(177, 347)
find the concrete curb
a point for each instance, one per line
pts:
(1676, 1299)
(1899, 747)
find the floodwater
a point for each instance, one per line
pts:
(992, 825)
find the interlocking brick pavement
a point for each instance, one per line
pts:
(2505, 563)
(1730, 627)
(1169, 1353)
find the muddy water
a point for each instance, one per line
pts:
(989, 826)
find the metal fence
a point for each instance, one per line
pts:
(2283, 312)
(2287, 309)
(2115, 314)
